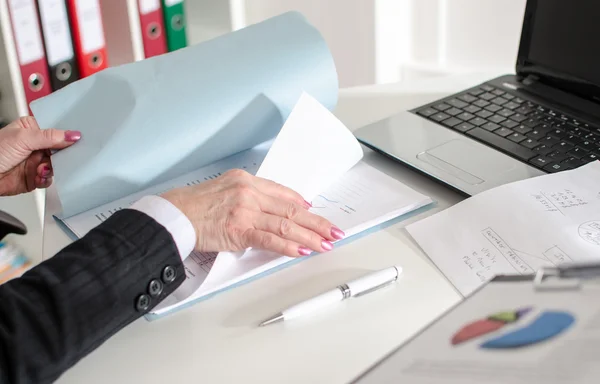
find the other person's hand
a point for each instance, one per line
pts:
(25, 155)
(238, 211)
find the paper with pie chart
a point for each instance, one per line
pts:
(516, 228)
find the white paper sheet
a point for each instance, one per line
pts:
(516, 228)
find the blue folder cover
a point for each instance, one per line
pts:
(150, 121)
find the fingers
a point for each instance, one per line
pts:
(288, 230)
(43, 182)
(302, 217)
(279, 191)
(256, 238)
(50, 138)
(44, 170)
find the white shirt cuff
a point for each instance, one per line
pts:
(170, 217)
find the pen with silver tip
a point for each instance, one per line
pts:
(357, 287)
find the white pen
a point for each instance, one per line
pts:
(354, 288)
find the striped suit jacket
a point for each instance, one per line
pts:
(68, 305)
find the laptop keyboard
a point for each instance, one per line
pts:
(539, 136)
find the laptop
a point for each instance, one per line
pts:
(545, 118)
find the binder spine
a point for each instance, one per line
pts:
(58, 42)
(175, 24)
(88, 36)
(152, 27)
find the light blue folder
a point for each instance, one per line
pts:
(150, 121)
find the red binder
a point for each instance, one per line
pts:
(88, 36)
(30, 49)
(153, 27)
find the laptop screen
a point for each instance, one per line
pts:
(561, 43)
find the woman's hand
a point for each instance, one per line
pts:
(25, 155)
(238, 211)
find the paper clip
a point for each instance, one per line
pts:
(566, 276)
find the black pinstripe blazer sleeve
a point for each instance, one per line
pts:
(68, 305)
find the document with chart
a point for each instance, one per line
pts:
(516, 228)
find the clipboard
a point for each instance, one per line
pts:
(516, 329)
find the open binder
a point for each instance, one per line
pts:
(538, 328)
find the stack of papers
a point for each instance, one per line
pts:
(516, 228)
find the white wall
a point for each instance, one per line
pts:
(347, 26)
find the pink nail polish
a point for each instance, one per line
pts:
(327, 245)
(45, 171)
(337, 233)
(72, 136)
(304, 251)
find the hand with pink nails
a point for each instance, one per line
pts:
(25, 155)
(238, 211)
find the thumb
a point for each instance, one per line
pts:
(51, 139)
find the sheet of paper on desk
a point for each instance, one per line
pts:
(516, 228)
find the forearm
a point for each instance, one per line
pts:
(68, 305)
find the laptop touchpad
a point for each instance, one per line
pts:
(467, 161)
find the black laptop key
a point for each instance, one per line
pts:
(487, 88)
(525, 110)
(573, 162)
(476, 91)
(490, 126)
(557, 133)
(451, 122)
(427, 112)
(590, 157)
(518, 117)
(540, 161)
(544, 149)
(498, 92)
(472, 109)
(441, 107)
(564, 146)
(453, 111)
(516, 137)
(457, 103)
(440, 116)
(590, 137)
(466, 116)
(477, 121)
(463, 127)
(519, 100)
(557, 156)
(487, 96)
(499, 101)
(512, 105)
(549, 140)
(496, 119)
(501, 143)
(572, 139)
(587, 145)
(555, 167)
(481, 103)
(508, 96)
(467, 98)
(484, 114)
(577, 152)
(502, 131)
(505, 113)
(532, 122)
(537, 135)
(493, 108)
(523, 129)
(509, 124)
(529, 143)
(545, 127)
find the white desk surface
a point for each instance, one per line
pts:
(217, 341)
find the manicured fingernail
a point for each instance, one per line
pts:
(43, 180)
(45, 171)
(72, 135)
(304, 251)
(307, 204)
(337, 233)
(327, 245)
